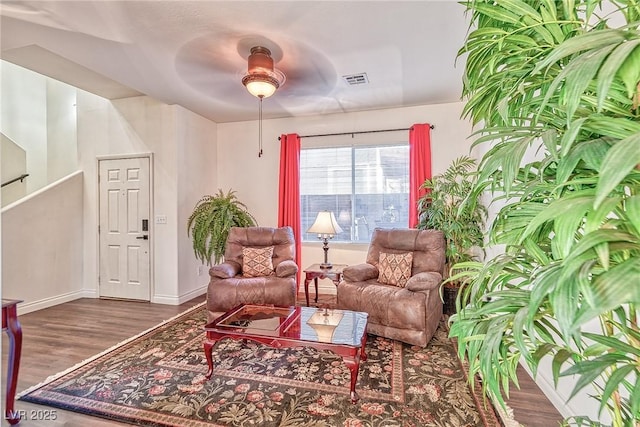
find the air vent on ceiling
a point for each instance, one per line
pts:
(356, 79)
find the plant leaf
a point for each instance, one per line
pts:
(613, 343)
(589, 370)
(629, 71)
(621, 159)
(613, 65)
(633, 212)
(612, 289)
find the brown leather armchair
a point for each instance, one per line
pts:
(235, 282)
(408, 313)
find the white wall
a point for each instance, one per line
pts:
(23, 118)
(197, 165)
(256, 179)
(38, 114)
(42, 255)
(62, 143)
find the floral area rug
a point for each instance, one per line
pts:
(157, 379)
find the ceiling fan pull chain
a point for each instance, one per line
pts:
(260, 129)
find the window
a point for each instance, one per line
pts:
(365, 187)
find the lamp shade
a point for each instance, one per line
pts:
(261, 85)
(325, 224)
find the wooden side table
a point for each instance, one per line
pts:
(11, 324)
(315, 272)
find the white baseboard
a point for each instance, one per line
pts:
(29, 307)
(177, 300)
(90, 293)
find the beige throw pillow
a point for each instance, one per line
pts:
(257, 262)
(395, 269)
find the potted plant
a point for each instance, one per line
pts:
(559, 78)
(451, 206)
(210, 222)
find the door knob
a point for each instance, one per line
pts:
(145, 237)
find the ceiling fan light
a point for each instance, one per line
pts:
(260, 85)
(262, 79)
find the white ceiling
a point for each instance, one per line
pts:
(193, 53)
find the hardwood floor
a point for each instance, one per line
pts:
(59, 337)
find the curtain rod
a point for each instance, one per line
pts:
(357, 132)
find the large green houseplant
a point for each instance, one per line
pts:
(209, 224)
(451, 206)
(561, 78)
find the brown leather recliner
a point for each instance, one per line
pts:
(229, 287)
(411, 313)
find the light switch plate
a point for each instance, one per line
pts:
(161, 219)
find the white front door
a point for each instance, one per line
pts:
(124, 228)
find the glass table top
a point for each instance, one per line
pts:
(301, 323)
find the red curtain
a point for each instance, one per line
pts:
(419, 166)
(289, 190)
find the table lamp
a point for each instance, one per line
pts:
(325, 226)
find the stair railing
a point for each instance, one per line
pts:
(20, 178)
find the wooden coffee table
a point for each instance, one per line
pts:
(340, 331)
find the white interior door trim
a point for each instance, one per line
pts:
(152, 269)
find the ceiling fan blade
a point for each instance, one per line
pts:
(315, 76)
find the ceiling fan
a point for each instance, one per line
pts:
(216, 67)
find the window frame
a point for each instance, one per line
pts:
(396, 142)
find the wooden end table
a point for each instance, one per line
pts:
(314, 272)
(11, 324)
